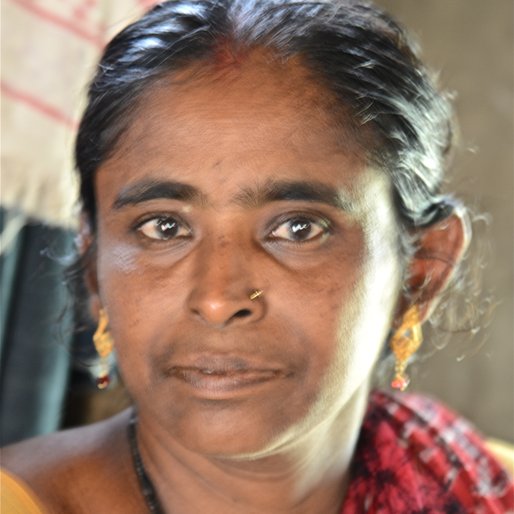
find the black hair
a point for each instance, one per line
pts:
(356, 52)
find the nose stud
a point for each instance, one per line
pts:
(255, 294)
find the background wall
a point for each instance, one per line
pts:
(471, 43)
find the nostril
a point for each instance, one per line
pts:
(243, 313)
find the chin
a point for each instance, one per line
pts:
(232, 433)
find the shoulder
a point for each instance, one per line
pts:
(423, 438)
(73, 467)
(63, 450)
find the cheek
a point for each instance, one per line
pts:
(368, 319)
(120, 279)
(322, 311)
(128, 278)
(358, 313)
(135, 296)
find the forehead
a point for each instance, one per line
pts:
(257, 92)
(257, 116)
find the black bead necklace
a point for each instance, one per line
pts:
(145, 484)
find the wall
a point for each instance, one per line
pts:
(471, 43)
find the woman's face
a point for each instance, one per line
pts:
(223, 185)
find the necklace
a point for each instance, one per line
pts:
(145, 484)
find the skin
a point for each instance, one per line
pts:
(245, 406)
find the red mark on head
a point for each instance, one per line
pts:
(227, 54)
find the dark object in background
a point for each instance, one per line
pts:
(36, 330)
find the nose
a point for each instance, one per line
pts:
(223, 293)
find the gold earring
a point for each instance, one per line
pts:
(404, 343)
(255, 294)
(104, 345)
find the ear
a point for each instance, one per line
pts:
(439, 250)
(86, 248)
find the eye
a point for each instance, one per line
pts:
(301, 228)
(164, 228)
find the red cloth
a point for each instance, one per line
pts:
(415, 456)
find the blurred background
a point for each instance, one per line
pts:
(49, 50)
(471, 45)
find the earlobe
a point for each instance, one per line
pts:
(439, 250)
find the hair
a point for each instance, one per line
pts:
(356, 52)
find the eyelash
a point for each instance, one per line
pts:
(302, 219)
(324, 225)
(161, 219)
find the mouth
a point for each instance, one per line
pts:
(220, 377)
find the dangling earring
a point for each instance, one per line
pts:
(104, 345)
(404, 343)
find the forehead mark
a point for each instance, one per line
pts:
(226, 54)
(288, 90)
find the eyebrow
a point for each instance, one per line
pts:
(146, 190)
(270, 191)
(304, 191)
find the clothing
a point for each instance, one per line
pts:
(49, 50)
(503, 451)
(415, 456)
(16, 497)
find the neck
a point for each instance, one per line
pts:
(308, 477)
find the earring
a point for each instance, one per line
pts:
(104, 345)
(404, 343)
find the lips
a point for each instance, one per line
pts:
(215, 375)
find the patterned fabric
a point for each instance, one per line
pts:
(416, 457)
(49, 52)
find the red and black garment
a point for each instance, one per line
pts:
(415, 456)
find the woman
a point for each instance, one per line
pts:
(262, 215)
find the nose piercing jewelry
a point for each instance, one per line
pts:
(255, 294)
